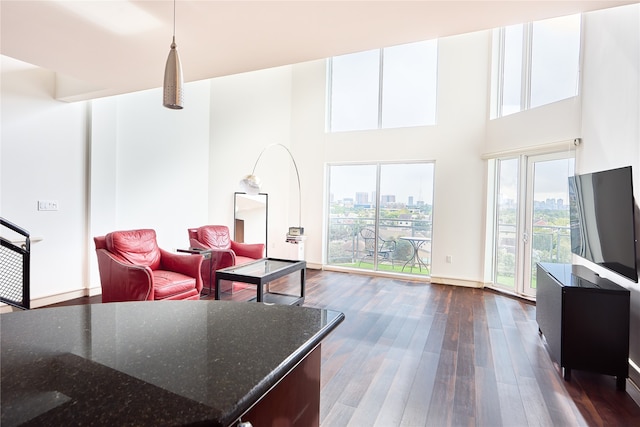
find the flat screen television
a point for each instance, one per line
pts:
(602, 220)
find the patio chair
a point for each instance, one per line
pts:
(376, 245)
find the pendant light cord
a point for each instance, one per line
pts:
(174, 20)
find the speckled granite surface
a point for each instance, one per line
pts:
(149, 363)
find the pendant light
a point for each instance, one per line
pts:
(172, 88)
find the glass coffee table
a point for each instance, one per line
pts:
(260, 273)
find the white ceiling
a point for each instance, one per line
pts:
(107, 47)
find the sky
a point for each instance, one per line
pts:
(550, 180)
(402, 180)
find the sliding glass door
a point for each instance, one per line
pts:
(531, 218)
(380, 216)
(547, 223)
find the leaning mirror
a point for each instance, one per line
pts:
(250, 218)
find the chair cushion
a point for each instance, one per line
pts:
(168, 283)
(135, 246)
(215, 236)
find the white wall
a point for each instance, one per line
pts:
(610, 108)
(611, 118)
(113, 163)
(43, 157)
(556, 122)
(249, 112)
(150, 166)
(309, 145)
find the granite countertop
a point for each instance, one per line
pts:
(150, 363)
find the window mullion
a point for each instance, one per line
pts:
(329, 96)
(377, 213)
(527, 45)
(500, 85)
(380, 78)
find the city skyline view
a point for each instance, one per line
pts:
(400, 180)
(550, 183)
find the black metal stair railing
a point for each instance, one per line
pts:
(15, 268)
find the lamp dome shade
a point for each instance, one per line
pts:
(250, 184)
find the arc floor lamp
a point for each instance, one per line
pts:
(251, 185)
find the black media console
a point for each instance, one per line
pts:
(585, 320)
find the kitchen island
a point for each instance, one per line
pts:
(162, 363)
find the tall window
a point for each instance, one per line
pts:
(380, 216)
(384, 88)
(535, 64)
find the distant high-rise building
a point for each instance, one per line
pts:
(362, 198)
(410, 202)
(387, 198)
(550, 204)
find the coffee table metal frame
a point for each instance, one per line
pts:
(260, 273)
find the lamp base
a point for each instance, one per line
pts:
(296, 247)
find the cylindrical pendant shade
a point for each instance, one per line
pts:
(172, 97)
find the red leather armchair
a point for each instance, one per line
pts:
(133, 268)
(225, 252)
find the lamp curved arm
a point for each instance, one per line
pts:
(256, 184)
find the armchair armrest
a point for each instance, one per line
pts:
(123, 282)
(249, 250)
(220, 258)
(189, 265)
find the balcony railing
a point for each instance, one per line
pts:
(15, 268)
(347, 247)
(549, 243)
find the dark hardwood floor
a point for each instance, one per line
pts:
(417, 354)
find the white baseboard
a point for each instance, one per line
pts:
(97, 290)
(633, 391)
(55, 299)
(6, 308)
(456, 282)
(376, 273)
(441, 280)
